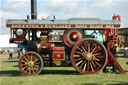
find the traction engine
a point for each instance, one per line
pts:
(45, 47)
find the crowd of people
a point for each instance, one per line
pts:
(19, 51)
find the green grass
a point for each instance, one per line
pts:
(10, 75)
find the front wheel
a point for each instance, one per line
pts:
(31, 63)
(89, 56)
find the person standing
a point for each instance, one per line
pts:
(10, 52)
(18, 52)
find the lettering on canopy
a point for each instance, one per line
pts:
(60, 26)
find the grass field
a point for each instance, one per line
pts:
(10, 75)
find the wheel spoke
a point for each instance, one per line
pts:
(31, 57)
(97, 59)
(85, 66)
(25, 67)
(91, 66)
(29, 70)
(78, 59)
(78, 52)
(23, 61)
(94, 49)
(36, 66)
(26, 59)
(84, 49)
(98, 54)
(79, 62)
(89, 47)
(97, 49)
(85, 45)
(33, 69)
(36, 60)
(97, 63)
(76, 55)
(82, 63)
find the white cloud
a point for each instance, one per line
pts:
(5, 41)
(63, 9)
(16, 5)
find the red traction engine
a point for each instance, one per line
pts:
(43, 46)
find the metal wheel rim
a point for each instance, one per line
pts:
(80, 66)
(25, 63)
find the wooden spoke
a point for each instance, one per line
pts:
(97, 49)
(36, 60)
(36, 66)
(98, 54)
(36, 63)
(94, 49)
(29, 70)
(84, 66)
(79, 62)
(82, 63)
(97, 63)
(32, 69)
(78, 59)
(85, 45)
(97, 59)
(76, 55)
(89, 47)
(23, 61)
(25, 67)
(80, 49)
(84, 49)
(31, 57)
(26, 59)
(91, 66)
(78, 52)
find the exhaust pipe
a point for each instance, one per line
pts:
(33, 9)
(34, 16)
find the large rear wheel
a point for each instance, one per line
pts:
(31, 63)
(89, 56)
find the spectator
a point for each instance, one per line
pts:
(18, 52)
(23, 51)
(10, 52)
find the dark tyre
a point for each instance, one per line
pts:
(89, 56)
(31, 63)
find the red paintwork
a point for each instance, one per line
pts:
(46, 45)
(114, 17)
(119, 17)
(66, 41)
(58, 48)
(58, 55)
(85, 72)
(116, 62)
(74, 36)
(20, 64)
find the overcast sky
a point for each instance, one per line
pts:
(63, 9)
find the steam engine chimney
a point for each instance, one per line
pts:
(33, 9)
(34, 16)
